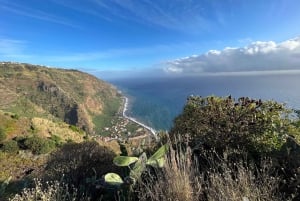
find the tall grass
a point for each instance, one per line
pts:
(178, 180)
(222, 180)
(242, 182)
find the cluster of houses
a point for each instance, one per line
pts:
(120, 130)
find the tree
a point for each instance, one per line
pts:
(220, 123)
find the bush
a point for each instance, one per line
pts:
(219, 123)
(79, 162)
(10, 146)
(20, 140)
(2, 134)
(56, 139)
(39, 145)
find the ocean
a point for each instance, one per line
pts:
(157, 101)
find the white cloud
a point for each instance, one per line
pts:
(258, 56)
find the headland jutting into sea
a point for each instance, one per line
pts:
(125, 108)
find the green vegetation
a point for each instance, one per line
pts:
(44, 112)
(10, 146)
(2, 134)
(218, 149)
(79, 163)
(136, 165)
(221, 123)
(56, 139)
(76, 129)
(69, 96)
(35, 144)
(39, 145)
(108, 117)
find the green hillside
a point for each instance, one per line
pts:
(57, 95)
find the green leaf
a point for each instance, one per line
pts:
(160, 153)
(113, 179)
(157, 159)
(124, 160)
(158, 163)
(139, 167)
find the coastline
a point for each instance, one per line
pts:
(125, 108)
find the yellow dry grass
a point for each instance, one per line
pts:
(46, 128)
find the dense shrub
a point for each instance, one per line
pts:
(220, 123)
(10, 146)
(258, 128)
(39, 145)
(76, 163)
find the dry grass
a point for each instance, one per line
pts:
(178, 180)
(15, 166)
(181, 180)
(51, 191)
(237, 182)
(46, 128)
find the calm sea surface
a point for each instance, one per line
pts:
(157, 101)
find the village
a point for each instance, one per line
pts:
(124, 127)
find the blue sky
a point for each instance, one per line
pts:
(176, 36)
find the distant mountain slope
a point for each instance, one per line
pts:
(70, 96)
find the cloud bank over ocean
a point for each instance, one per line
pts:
(256, 57)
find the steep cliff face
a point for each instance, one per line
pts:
(71, 96)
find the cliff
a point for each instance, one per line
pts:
(57, 95)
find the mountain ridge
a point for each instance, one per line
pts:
(70, 96)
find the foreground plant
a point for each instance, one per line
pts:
(182, 179)
(136, 165)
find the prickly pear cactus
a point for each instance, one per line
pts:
(123, 161)
(113, 179)
(136, 165)
(157, 160)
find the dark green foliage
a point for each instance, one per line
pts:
(15, 116)
(75, 163)
(246, 126)
(220, 123)
(10, 146)
(39, 145)
(123, 149)
(2, 134)
(75, 128)
(21, 141)
(56, 139)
